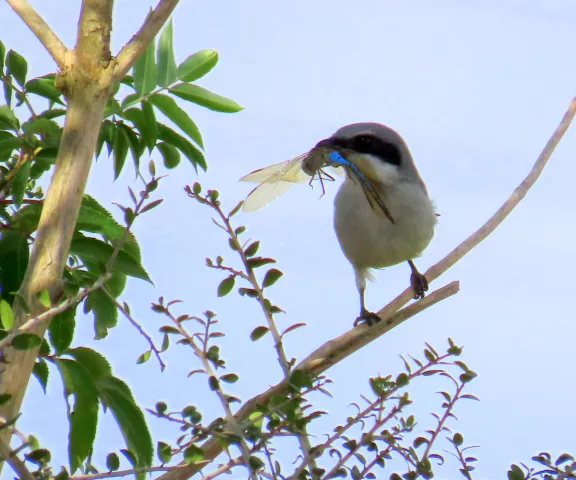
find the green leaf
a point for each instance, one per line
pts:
(164, 452)
(258, 333)
(458, 439)
(170, 154)
(193, 454)
(7, 315)
(112, 462)
(94, 250)
(516, 473)
(4, 398)
(257, 262)
(229, 378)
(145, 121)
(39, 457)
(61, 329)
(167, 70)
(44, 87)
(197, 65)
(92, 361)
(106, 135)
(41, 372)
(14, 255)
(144, 357)
(205, 98)
(44, 298)
(151, 205)
(2, 55)
(83, 420)
(226, 286)
(105, 313)
(93, 217)
(26, 341)
(120, 150)
(16, 66)
(136, 145)
(8, 91)
(301, 379)
(188, 149)
(115, 286)
(145, 71)
(271, 277)
(252, 249)
(20, 183)
(170, 108)
(255, 463)
(118, 397)
(8, 120)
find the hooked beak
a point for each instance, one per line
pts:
(326, 143)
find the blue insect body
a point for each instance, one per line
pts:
(339, 160)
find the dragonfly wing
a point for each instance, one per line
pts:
(288, 171)
(264, 194)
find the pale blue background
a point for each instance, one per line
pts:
(476, 88)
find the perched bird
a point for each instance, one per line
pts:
(369, 239)
(382, 213)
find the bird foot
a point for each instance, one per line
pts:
(367, 317)
(419, 285)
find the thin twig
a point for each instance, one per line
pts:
(464, 469)
(124, 473)
(138, 327)
(443, 420)
(230, 419)
(318, 362)
(379, 423)
(302, 435)
(329, 355)
(43, 32)
(139, 42)
(52, 312)
(17, 465)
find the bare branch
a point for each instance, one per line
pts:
(479, 235)
(43, 32)
(125, 473)
(33, 322)
(139, 42)
(17, 465)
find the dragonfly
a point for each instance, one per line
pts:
(277, 179)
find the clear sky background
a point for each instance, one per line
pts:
(476, 89)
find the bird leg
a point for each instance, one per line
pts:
(418, 282)
(366, 317)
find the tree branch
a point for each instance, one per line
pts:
(17, 465)
(479, 235)
(323, 358)
(139, 42)
(43, 32)
(336, 350)
(32, 323)
(87, 86)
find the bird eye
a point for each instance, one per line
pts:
(386, 151)
(363, 144)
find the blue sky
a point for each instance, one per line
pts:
(476, 89)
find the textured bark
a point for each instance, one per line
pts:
(86, 82)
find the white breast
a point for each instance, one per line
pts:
(370, 241)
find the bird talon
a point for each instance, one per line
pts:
(419, 285)
(367, 317)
